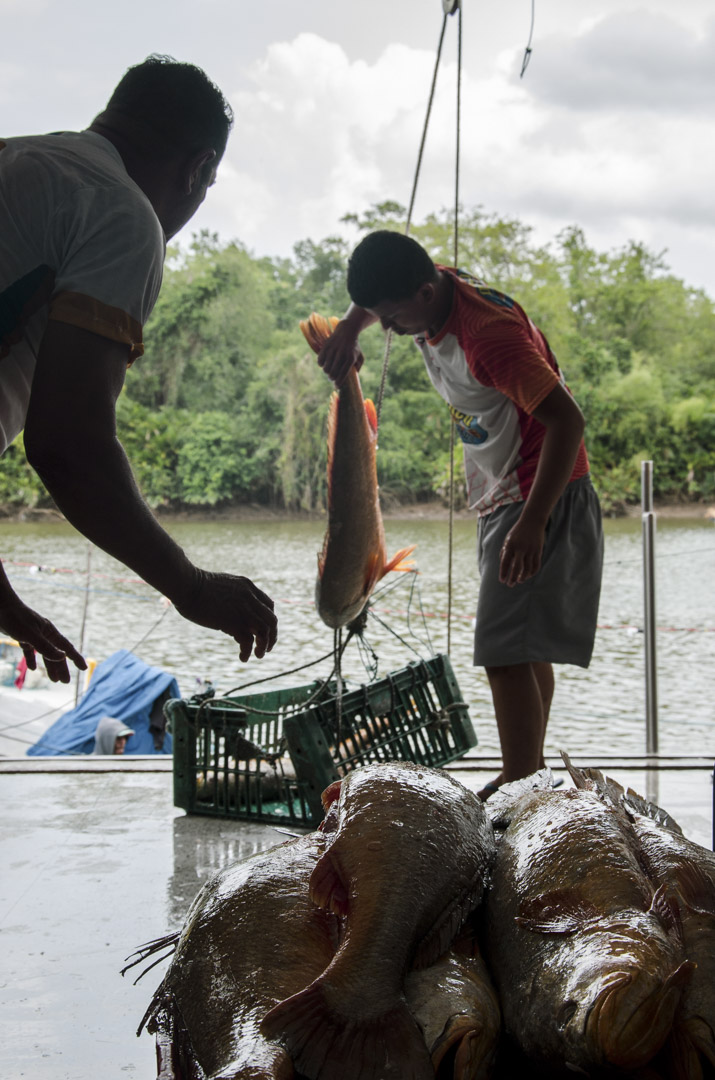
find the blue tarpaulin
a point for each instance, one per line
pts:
(124, 687)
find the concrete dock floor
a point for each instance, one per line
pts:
(95, 863)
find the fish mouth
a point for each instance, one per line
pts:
(465, 1049)
(632, 1015)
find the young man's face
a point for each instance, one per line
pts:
(409, 316)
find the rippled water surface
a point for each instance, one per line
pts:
(600, 710)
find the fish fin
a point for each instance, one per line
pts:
(331, 794)
(323, 1042)
(593, 780)
(636, 804)
(371, 415)
(620, 797)
(695, 888)
(446, 927)
(327, 888)
(559, 912)
(323, 553)
(397, 563)
(666, 910)
(168, 942)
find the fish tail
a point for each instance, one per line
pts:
(317, 329)
(329, 1045)
(397, 561)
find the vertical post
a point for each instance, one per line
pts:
(84, 618)
(651, 678)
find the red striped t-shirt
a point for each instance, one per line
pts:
(493, 367)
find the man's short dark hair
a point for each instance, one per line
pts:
(178, 101)
(387, 266)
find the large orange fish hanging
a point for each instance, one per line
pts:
(354, 557)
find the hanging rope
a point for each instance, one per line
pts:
(450, 7)
(424, 129)
(388, 337)
(456, 263)
(527, 50)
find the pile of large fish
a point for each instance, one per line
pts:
(353, 953)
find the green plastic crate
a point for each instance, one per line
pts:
(309, 740)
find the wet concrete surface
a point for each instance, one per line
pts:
(93, 865)
(96, 863)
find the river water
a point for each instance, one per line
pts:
(597, 711)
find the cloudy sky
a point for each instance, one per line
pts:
(610, 128)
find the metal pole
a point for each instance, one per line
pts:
(651, 676)
(84, 617)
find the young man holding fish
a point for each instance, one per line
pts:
(540, 540)
(84, 220)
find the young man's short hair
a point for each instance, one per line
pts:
(387, 266)
(177, 100)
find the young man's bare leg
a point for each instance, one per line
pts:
(544, 674)
(522, 697)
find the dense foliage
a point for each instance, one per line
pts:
(228, 404)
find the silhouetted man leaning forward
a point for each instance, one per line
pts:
(84, 220)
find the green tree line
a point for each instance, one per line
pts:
(228, 405)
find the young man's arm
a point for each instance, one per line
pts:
(564, 423)
(70, 439)
(341, 352)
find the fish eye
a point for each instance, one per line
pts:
(565, 1013)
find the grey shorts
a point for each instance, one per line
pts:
(552, 616)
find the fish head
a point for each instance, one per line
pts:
(619, 998)
(347, 610)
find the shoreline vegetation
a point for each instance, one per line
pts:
(431, 510)
(225, 415)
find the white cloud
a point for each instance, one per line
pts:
(634, 59)
(319, 135)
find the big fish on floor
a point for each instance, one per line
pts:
(354, 556)
(588, 958)
(671, 860)
(252, 936)
(408, 850)
(456, 1005)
